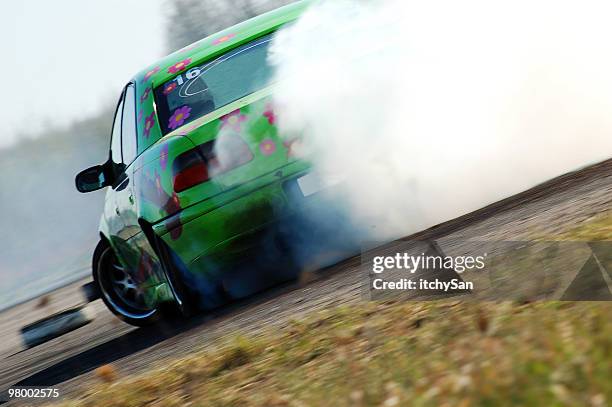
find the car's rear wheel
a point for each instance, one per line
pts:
(119, 291)
(185, 298)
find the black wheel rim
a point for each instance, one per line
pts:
(119, 289)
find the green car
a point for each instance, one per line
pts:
(204, 194)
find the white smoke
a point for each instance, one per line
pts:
(433, 109)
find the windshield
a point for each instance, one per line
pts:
(214, 84)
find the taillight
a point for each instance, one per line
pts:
(190, 176)
(204, 162)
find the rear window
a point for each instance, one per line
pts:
(214, 84)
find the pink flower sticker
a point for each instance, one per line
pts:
(233, 120)
(150, 73)
(179, 66)
(223, 39)
(148, 124)
(163, 157)
(174, 225)
(270, 115)
(158, 185)
(267, 147)
(169, 88)
(178, 117)
(145, 95)
(140, 115)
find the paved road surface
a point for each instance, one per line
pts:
(67, 362)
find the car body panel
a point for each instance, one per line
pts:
(149, 78)
(211, 224)
(237, 211)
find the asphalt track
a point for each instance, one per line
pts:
(68, 362)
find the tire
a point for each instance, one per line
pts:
(118, 291)
(192, 293)
(185, 299)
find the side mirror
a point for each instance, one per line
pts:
(91, 179)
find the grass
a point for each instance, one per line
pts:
(597, 228)
(446, 353)
(424, 354)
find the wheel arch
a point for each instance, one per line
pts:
(103, 243)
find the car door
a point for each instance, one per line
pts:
(111, 213)
(125, 233)
(135, 250)
(125, 199)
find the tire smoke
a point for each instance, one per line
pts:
(434, 109)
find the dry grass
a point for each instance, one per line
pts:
(430, 354)
(399, 353)
(598, 227)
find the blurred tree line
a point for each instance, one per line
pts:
(50, 229)
(191, 20)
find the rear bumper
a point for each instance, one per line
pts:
(265, 224)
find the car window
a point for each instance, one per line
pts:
(128, 126)
(116, 135)
(214, 84)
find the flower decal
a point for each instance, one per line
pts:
(270, 115)
(169, 88)
(140, 115)
(153, 191)
(233, 120)
(145, 95)
(179, 66)
(178, 117)
(174, 224)
(158, 186)
(148, 124)
(223, 39)
(163, 157)
(267, 147)
(150, 73)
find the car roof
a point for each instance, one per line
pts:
(218, 43)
